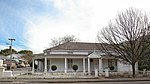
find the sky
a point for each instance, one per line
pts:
(33, 23)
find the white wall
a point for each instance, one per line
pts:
(123, 66)
(60, 63)
(79, 63)
(126, 66)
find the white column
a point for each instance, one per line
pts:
(38, 66)
(83, 65)
(45, 67)
(89, 72)
(65, 65)
(100, 66)
(49, 65)
(33, 65)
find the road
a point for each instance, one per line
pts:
(135, 82)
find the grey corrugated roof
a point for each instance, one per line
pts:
(78, 46)
(66, 55)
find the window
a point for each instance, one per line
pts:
(110, 62)
(69, 62)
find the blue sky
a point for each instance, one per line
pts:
(33, 23)
(15, 14)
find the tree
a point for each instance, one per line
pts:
(6, 52)
(127, 36)
(145, 62)
(28, 54)
(61, 40)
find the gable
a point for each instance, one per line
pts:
(96, 54)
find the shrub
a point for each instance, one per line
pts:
(111, 67)
(54, 67)
(147, 67)
(75, 67)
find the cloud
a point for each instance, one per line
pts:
(3, 47)
(82, 18)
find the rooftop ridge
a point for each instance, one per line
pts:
(77, 46)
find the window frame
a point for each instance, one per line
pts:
(69, 63)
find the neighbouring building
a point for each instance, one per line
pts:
(17, 61)
(3, 57)
(87, 57)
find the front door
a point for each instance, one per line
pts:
(93, 65)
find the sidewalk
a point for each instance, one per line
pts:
(72, 80)
(55, 78)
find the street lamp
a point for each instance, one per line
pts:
(11, 40)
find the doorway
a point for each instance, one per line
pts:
(93, 65)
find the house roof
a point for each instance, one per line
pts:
(78, 46)
(64, 55)
(15, 56)
(3, 57)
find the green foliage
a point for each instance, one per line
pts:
(75, 67)
(27, 52)
(112, 67)
(144, 63)
(54, 67)
(6, 52)
(147, 67)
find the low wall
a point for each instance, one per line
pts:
(6, 74)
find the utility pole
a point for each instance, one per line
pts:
(11, 40)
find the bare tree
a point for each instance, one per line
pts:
(61, 40)
(127, 36)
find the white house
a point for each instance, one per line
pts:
(87, 56)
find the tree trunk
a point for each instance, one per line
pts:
(133, 70)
